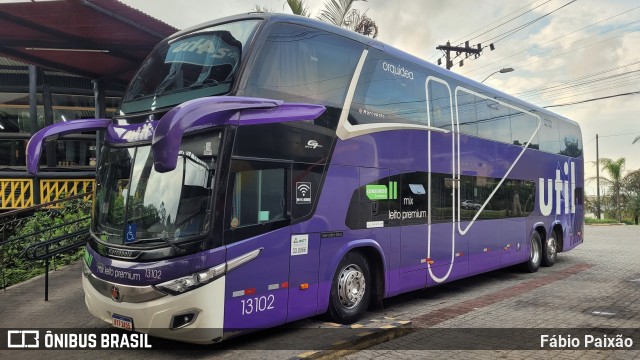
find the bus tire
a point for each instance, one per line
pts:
(350, 289)
(550, 250)
(535, 254)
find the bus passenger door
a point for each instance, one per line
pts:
(257, 217)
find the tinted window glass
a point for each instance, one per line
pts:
(570, 139)
(389, 91)
(523, 126)
(302, 64)
(200, 64)
(441, 200)
(439, 104)
(467, 116)
(493, 120)
(259, 196)
(549, 140)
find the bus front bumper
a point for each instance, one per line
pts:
(201, 309)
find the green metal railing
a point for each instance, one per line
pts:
(42, 233)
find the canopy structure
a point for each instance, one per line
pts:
(97, 39)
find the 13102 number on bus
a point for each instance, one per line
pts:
(257, 304)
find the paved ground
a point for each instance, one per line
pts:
(591, 286)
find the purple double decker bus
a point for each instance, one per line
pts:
(266, 168)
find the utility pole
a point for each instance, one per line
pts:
(597, 178)
(458, 49)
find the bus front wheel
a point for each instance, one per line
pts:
(351, 289)
(535, 254)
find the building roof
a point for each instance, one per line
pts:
(98, 39)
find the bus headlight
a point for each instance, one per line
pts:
(187, 283)
(190, 282)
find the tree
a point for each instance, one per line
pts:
(337, 12)
(298, 7)
(631, 193)
(258, 8)
(615, 170)
(367, 27)
(636, 139)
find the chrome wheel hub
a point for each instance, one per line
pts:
(351, 286)
(534, 255)
(551, 247)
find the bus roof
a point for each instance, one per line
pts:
(302, 20)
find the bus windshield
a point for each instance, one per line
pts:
(202, 63)
(136, 204)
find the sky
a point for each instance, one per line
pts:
(551, 44)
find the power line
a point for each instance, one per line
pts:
(610, 82)
(632, 133)
(508, 33)
(510, 20)
(571, 50)
(576, 79)
(557, 38)
(594, 99)
(515, 30)
(491, 23)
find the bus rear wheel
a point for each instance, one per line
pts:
(550, 250)
(351, 289)
(535, 254)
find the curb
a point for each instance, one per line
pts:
(367, 338)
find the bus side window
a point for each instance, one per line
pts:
(389, 90)
(466, 110)
(570, 142)
(258, 196)
(302, 64)
(439, 101)
(549, 137)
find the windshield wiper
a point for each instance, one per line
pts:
(163, 237)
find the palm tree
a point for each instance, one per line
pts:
(366, 27)
(298, 7)
(258, 8)
(615, 170)
(337, 12)
(636, 139)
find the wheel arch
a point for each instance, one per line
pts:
(541, 229)
(372, 251)
(559, 230)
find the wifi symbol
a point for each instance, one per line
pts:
(304, 188)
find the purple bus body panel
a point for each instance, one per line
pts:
(304, 269)
(34, 147)
(514, 241)
(381, 150)
(485, 241)
(340, 183)
(252, 299)
(477, 158)
(413, 248)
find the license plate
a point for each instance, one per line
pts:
(122, 322)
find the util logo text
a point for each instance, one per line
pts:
(552, 192)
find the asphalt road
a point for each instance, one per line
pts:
(596, 285)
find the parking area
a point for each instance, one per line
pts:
(596, 285)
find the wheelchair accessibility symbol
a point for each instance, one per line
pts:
(130, 234)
